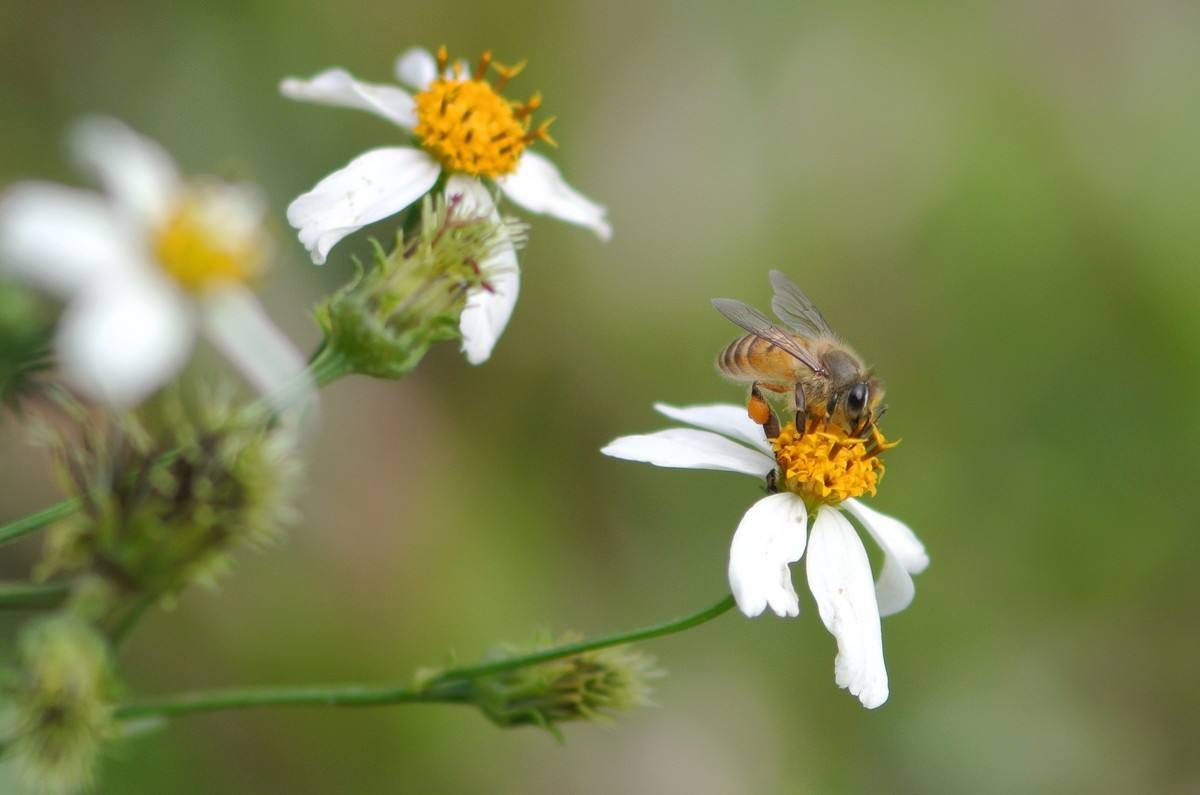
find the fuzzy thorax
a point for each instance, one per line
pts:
(825, 464)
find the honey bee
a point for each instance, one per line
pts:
(826, 380)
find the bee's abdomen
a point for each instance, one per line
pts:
(750, 358)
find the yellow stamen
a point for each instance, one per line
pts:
(825, 464)
(197, 255)
(443, 59)
(468, 126)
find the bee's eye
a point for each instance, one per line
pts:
(856, 401)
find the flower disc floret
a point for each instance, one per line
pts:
(825, 464)
(195, 249)
(469, 126)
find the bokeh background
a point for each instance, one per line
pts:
(997, 203)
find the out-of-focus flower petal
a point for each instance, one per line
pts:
(416, 68)
(839, 576)
(538, 186)
(372, 186)
(122, 340)
(338, 87)
(137, 172)
(236, 323)
(685, 448)
(768, 540)
(61, 239)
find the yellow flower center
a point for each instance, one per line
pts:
(825, 464)
(200, 245)
(469, 126)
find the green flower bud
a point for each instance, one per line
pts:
(62, 702)
(594, 686)
(167, 494)
(383, 321)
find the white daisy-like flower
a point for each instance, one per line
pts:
(818, 473)
(146, 265)
(460, 123)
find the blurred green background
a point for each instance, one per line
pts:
(996, 203)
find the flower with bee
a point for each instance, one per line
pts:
(817, 466)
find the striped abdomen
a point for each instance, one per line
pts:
(752, 358)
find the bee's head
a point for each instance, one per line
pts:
(860, 401)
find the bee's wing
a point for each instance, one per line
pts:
(796, 309)
(759, 325)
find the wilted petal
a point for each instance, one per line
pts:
(768, 540)
(416, 68)
(120, 341)
(685, 448)
(374, 185)
(136, 171)
(62, 238)
(839, 576)
(236, 323)
(903, 555)
(538, 186)
(489, 307)
(723, 418)
(338, 87)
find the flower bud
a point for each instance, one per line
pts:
(593, 686)
(62, 704)
(167, 494)
(383, 321)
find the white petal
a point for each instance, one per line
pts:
(723, 418)
(372, 186)
(839, 576)
(487, 310)
(122, 340)
(416, 68)
(538, 186)
(685, 448)
(235, 322)
(903, 555)
(62, 238)
(338, 87)
(893, 535)
(768, 540)
(136, 171)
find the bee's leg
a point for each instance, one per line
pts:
(801, 408)
(830, 405)
(760, 411)
(772, 486)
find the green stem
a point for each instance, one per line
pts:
(452, 686)
(578, 647)
(36, 521)
(19, 595)
(246, 698)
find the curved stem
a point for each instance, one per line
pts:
(451, 686)
(578, 647)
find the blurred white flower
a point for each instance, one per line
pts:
(462, 125)
(820, 473)
(144, 267)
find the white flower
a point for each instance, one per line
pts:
(144, 267)
(772, 536)
(461, 125)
